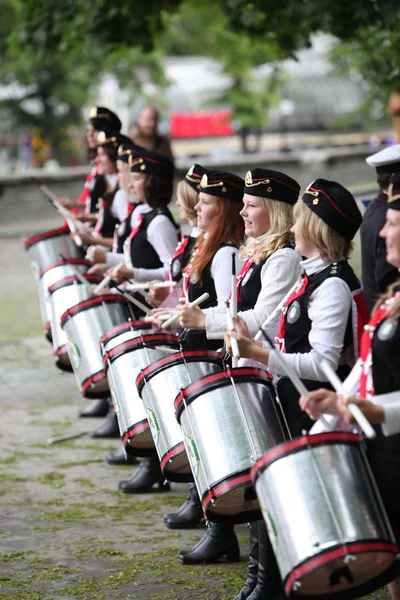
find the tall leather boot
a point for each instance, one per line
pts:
(97, 408)
(189, 514)
(252, 569)
(269, 581)
(109, 428)
(148, 473)
(217, 542)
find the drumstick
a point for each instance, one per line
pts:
(139, 304)
(353, 408)
(146, 286)
(175, 318)
(64, 212)
(104, 283)
(164, 349)
(235, 345)
(64, 438)
(233, 299)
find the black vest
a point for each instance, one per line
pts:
(143, 255)
(123, 231)
(109, 222)
(297, 329)
(377, 273)
(98, 190)
(384, 451)
(194, 339)
(181, 260)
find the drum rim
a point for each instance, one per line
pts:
(40, 237)
(91, 303)
(169, 361)
(208, 383)
(301, 443)
(309, 564)
(70, 280)
(141, 341)
(60, 262)
(94, 378)
(125, 327)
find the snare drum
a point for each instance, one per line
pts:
(45, 248)
(158, 385)
(56, 271)
(84, 325)
(63, 294)
(324, 516)
(124, 332)
(224, 435)
(123, 364)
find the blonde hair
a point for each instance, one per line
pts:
(330, 244)
(189, 198)
(394, 312)
(281, 220)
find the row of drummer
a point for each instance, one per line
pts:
(315, 319)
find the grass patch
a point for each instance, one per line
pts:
(53, 479)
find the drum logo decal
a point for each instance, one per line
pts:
(293, 312)
(387, 330)
(154, 426)
(271, 528)
(193, 454)
(115, 401)
(75, 355)
(35, 269)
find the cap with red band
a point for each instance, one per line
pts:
(335, 205)
(222, 184)
(275, 185)
(152, 163)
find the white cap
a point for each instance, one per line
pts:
(384, 157)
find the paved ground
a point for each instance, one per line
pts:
(66, 533)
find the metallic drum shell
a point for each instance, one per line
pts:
(45, 248)
(48, 276)
(229, 420)
(123, 364)
(63, 294)
(84, 325)
(320, 509)
(158, 385)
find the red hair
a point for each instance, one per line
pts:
(227, 226)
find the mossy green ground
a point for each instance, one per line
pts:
(66, 533)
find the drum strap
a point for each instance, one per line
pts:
(180, 249)
(366, 381)
(297, 292)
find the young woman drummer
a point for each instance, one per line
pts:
(209, 270)
(271, 266)
(375, 380)
(148, 250)
(187, 196)
(270, 269)
(100, 119)
(315, 321)
(102, 258)
(113, 201)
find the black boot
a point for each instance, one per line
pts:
(269, 581)
(119, 457)
(252, 569)
(97, 408)
(189, 514)
(148, 473)
(217, 542)
(109, 428)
